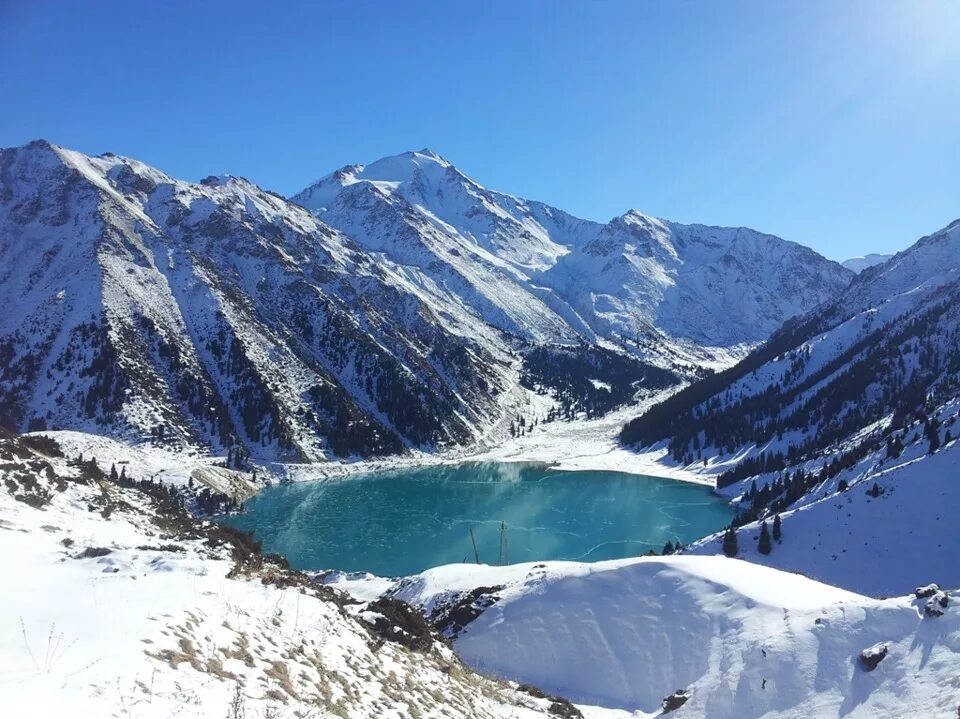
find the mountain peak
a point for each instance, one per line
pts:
(636, 217)
(387, 173)
(428, 153)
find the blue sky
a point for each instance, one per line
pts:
(834, 124)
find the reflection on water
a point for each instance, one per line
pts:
(402, 522)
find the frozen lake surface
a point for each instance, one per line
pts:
(402, 522)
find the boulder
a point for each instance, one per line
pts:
(926, 591)
(675, 700)
(936, 604)
(872, 656)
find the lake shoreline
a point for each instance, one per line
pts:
(581, 445)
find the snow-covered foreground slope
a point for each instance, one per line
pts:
(880, 545)
(743, 640)
(676, 294)
(117, 604)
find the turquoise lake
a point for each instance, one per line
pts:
(402, 522)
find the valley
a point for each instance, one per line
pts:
(401, 404)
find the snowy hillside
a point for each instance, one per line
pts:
(891, 529)
(124, 606)
(676, 294)
(883, 351)
(863, 391)
(219, 314)
(740, 640)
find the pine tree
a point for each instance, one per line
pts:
(777, 529)
(763, 544)
(933, 436)
(668, 548)
(894, 447)
(730, 542)
(113, 473)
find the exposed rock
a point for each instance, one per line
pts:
(451, 616)
(558, 705)
(93, 552)
(872, 656)
(675, 700)
(926, 591)
(936, 604)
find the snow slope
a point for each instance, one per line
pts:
(169, 620)
(686, 294)
(743, 639)
(879, 546)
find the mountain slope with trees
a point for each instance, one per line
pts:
(855, 402)
(220, 315)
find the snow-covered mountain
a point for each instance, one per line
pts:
(861, 395)
(859, 264)
(402, 312)
(218, 313)
(882, 350)
(677, 294)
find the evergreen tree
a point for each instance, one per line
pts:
(933, 436)
(763, 544)
(730, 542)
(894, 447)
(113, 473)
(668, 548)
(777, 530)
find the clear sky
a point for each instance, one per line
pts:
(834, 124)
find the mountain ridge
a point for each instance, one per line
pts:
(664, 270)
(219, 314)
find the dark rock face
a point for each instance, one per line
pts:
(936, 604)
(675, 700)
(926, 591)
(451, 616)
(872, 656)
